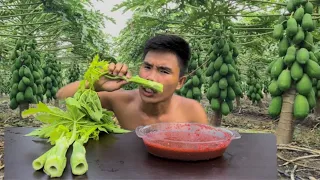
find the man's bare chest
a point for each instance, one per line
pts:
(132, 118)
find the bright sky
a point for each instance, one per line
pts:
(120, 18)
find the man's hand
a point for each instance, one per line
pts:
(105, 84)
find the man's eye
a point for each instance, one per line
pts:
(147, 67)
(164, 71)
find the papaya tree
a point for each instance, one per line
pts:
(316, 86)
(25, 74)
(52, 81)
(293, 70)
(37, 72)
(74, 72)
(254, 92)
(195, 79)
(222, 74)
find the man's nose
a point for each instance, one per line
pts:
(152, 75)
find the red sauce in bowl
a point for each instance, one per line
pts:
(187, 146)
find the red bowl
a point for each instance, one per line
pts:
(186, 141)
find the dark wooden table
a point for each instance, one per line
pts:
(123, 156)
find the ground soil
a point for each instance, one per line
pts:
(248, 118)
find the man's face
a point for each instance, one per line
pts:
(163, 68)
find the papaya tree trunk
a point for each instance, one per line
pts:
(238, 102)
(216, 118)
(285, 128)
(23, 107)
(260, 104)
(56, 103)
(317, 109)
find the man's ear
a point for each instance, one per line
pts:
(181, 82)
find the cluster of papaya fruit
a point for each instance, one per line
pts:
(26, 78)
(197, 48)
(35, 54)
(74, 73)
(297, 63)
(316, 87)
(254, 92)
(52, 76)
(192, 87)
(222, 73)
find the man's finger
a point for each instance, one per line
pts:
(111, 67)
(128, 75)
(123, 70)
(117, 69)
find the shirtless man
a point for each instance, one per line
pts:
(165, 60)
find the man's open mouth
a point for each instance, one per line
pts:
(148, 91)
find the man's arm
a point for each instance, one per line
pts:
(68, 90)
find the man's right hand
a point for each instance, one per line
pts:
(105, 84)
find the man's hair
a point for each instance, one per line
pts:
(173, 44)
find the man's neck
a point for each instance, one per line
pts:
(156, 109)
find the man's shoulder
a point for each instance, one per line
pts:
(187, 102)
(193, 109)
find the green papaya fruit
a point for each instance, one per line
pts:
(292, 27)
(283, 46)
(218, 63)
(312, 99)
(274, 89)
(284, 80)
(308, 41)
(312, 69)
(302, 55)
(210, 70)
(225, 109)
(298, 14)
(308, 8)
(224, 69)
(299, 37)
(290, 6)
(215, 104)
(290, 57)
(275, 106)
(304, 85)
(277, 68)
(278, 31)
(307, 22)
(296, 71)
(301, 107)
(223, 83)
